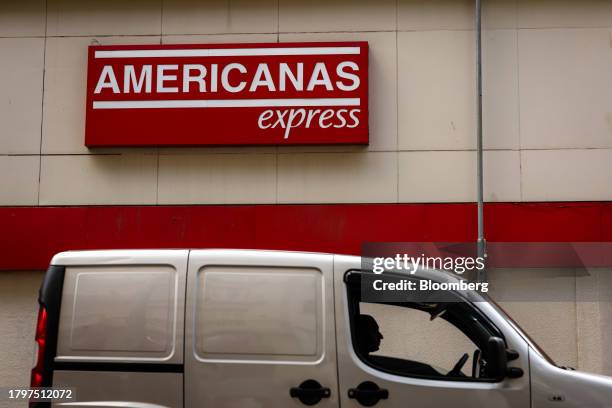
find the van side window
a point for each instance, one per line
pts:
(444, 341)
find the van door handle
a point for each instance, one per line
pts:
(368, 394)
(310, 392)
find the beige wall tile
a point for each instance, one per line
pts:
(217, 179)
(451, 176)
(565, 88)
(19, 180)
(543, 302)
(336, 15)
(435, 15)
(103, 17)
(551, 324)
(22, 18)
(337, 177)
(437, 97)
(219, 38)
(64, 97)
(502, 175)
(437, 177)
(219, 16)
(324, 148)
(500, 103)
(590, 323)
(21, 79)
(200, 150)
(418, 15)
(98, 179)
(498, 14)
(382, 82)
(566, 175)
(605, 320)
(564, 13)
(606, 357)
(65, 91)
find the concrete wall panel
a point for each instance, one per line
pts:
(419, 15)
(103, 17)
(337, 178)
(217, 179)
(98, 179)
(436, 88)
(450, 176)
(219, 16)
(19, 180)
(21, 78)
(22, 18)
(336, 15)
(564, 13)
(565, 88)
(557, 175)
(500, 108)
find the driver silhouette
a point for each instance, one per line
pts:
(368, 334)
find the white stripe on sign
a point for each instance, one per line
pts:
(227, 103)
(228, 52)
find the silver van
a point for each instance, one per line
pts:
(255, 329)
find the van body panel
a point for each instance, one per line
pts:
(258, 324)
(423, 392)
(554, 386)
(121, 389)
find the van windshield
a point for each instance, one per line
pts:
(522, 332)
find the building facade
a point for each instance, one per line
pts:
(547, 137)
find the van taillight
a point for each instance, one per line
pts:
(37, 377)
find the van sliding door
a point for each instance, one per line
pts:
(259, 330)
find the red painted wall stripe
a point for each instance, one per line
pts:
(31, 235)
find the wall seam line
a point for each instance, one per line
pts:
(397, 144)
(161, 22)
(276, 149)
(518, 102)
(42, 105)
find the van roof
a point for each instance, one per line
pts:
(74, 257)
(114, 256)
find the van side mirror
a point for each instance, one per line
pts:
(497, 359)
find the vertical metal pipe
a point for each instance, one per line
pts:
(481, 243)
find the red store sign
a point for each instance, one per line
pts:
(222, 94)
